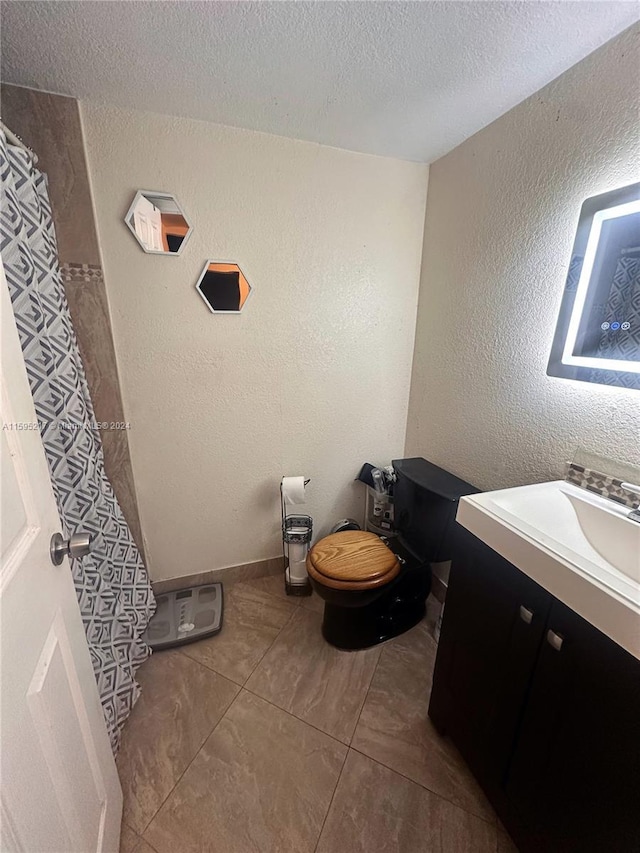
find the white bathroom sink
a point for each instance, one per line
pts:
(579, 546)
(608, 529)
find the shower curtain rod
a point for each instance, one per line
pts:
(15, 140)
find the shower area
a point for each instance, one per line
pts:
(53, 269)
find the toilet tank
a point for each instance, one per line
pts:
(425, 505)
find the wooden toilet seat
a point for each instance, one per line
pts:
(352, 560)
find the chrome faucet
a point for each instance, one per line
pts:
(634, 515)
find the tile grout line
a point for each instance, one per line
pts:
(297, 605)
(241, 684)
(293, 613)
(424, 787)
(301, 719)
(291, 713)
(393, 770)
(375, 669)
(240, 687)
(142, 841)
(296, 717)
(197, 753)
(346, 755)
(366, 696)
(123, 823)
(227, 710)
(209, 668)
(296, 600)
(235, 699)
(386, 645)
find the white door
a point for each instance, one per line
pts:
(60, 791)
(147, 221)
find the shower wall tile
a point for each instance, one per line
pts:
(83, 274)
(50, 126)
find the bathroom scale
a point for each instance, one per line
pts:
(184, 616)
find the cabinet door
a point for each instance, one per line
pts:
(575, 774)
(492, 628)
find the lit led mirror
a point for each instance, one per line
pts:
(223, 287)
(158, 223)
(597, 337)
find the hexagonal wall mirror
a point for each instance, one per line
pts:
(158, 223)
(223, 287)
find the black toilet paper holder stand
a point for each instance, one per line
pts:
(296, 529)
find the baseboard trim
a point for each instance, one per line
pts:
(228, 575)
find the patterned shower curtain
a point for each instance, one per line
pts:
(112, 585)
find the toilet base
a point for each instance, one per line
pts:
(398, 610)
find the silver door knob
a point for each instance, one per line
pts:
(77, 546)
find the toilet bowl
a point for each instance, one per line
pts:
(354, 562)
(375, 589)
(371, 593)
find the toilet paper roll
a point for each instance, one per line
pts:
(295, 581)
(297, 552)
(293, 490)
(298, 572)
(297, 569)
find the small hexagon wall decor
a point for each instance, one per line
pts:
(158, 223)
(224, 287)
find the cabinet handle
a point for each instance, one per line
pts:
(526, 615)
(554, 640)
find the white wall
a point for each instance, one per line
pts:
(313, 378)
(501, 216)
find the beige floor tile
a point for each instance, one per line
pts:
(262, 783)
(395, 730)
(306, 676)
(129, 839)
(272, 585)
(313, 602)
(180, 704)
(252, 621)
(375, 810)
(145, 847)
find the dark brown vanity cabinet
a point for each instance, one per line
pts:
(544, 708)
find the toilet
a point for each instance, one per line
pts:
(376, 588)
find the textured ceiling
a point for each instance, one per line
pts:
(408, 80)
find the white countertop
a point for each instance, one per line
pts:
(580, 547)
